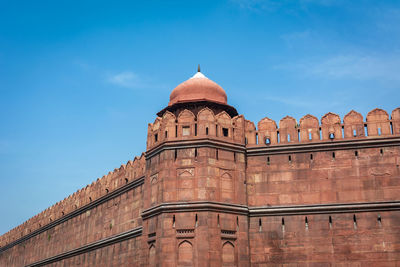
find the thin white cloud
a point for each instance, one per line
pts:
(273, 5)
(127, 79)
(356, 67)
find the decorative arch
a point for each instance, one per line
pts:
(309, 128)
(331, 126)
(154, 189)
(223, 116)
(152, 256)
(250, 133)
(378, 122)
(353, 123)
(224, 121)
(156, 124)
(168, 126)
(396, 121)
(267, 131)
(186, 116)
(228, 254)
(288, 130)
(227, 186)
(185, 253)
(205, 114)
(238, 126)
(185, 183)
(206, 122)
(186, 120)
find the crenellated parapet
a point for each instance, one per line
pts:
(332, 128)
(188, 126)
(130, 171)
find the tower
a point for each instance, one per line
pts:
(195, 208)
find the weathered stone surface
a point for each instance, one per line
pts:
(213, 190)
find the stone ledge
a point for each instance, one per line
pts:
(270, 210)
(105, 198)
(324, 208)
(92, 246)
(194, 206)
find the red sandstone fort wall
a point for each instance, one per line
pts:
(279, 240)
(116, 215)
(215, 189)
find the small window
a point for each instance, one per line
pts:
(225, 132)
(206, 130)
(166, 134)
(288, 137)
(331, 136)
(267, 141)
(155, 137)
(185, 130)
(309, 136)
(379, 131)
(354, 132)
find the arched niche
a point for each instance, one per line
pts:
(228, 254)
(186, 124)
(309, 128)
(250, 133)
(288, 130)
(168, 123)
(224, 122)
(331, 126)
(154, 189)
(378, 123)
(267, 132)
(185, 253)
(206, 122)
(396, 121)
(152, 256)
(353, 123)
(238, 128)
(227, 186)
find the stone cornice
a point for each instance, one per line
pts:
(324, 208)
(270, 210)
(277, 149)
(92, 246)
(91, 205)
(195, 143)
(193, 207)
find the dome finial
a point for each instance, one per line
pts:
(198, 68)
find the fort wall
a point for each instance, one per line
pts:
(100, 221)
(277, 193)
(344, 239)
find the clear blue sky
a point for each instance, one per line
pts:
(80, 80)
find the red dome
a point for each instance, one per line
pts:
(198, 88)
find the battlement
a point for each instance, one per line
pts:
(267, 133)
(187, 126)
(102, 186)
(309, 129)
